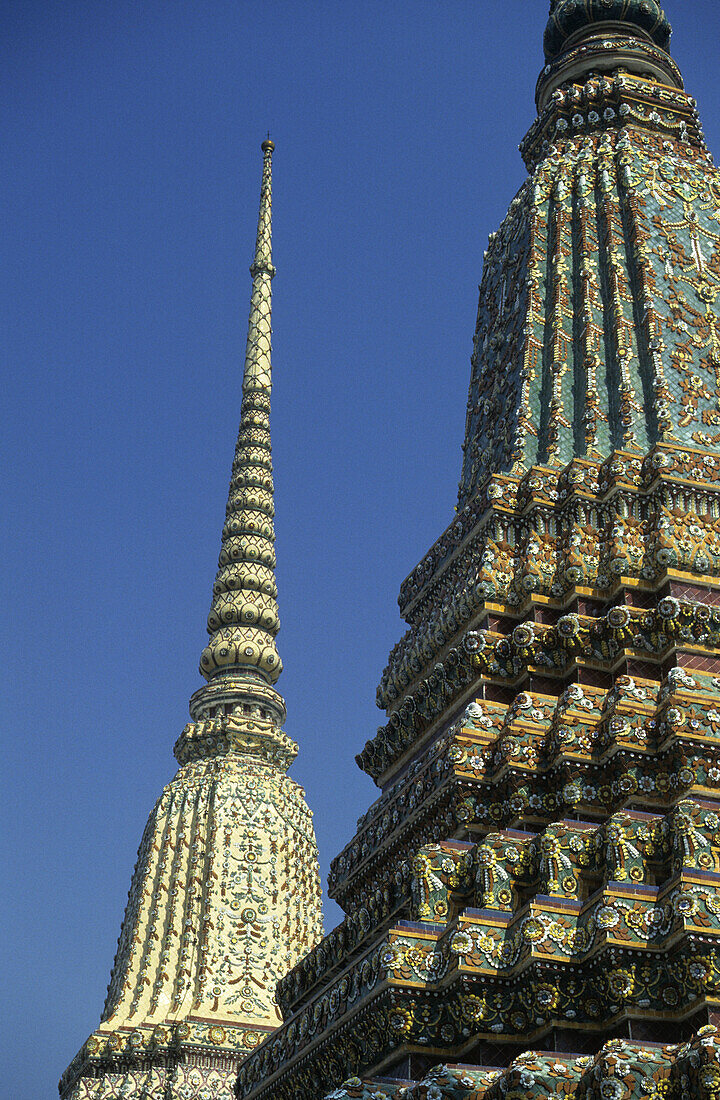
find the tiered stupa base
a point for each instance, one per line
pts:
(542, 869)
(194, 1060)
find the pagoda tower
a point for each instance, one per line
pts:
(533, 902)
(225, 897)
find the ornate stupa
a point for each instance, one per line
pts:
(533, 902)
(225, 897)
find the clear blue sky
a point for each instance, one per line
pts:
(128, 198)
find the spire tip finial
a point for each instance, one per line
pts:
(268, 144)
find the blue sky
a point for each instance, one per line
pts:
(128, 199)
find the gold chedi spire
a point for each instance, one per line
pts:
(244, 619)
(225, 897)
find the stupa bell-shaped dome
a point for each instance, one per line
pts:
(567, 17)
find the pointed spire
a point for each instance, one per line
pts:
(215, 918)
(243, 619)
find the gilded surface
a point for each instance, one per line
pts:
(243, 620)
(225, 898)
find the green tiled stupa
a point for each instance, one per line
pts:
(533, 902)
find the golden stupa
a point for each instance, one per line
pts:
(225, 897)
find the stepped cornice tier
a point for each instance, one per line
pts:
(478, 770)
(225, 897)
(590, 751)
(542, 866)
(543, 921)
(532, 548)
(579, 923)
(619, 1070)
